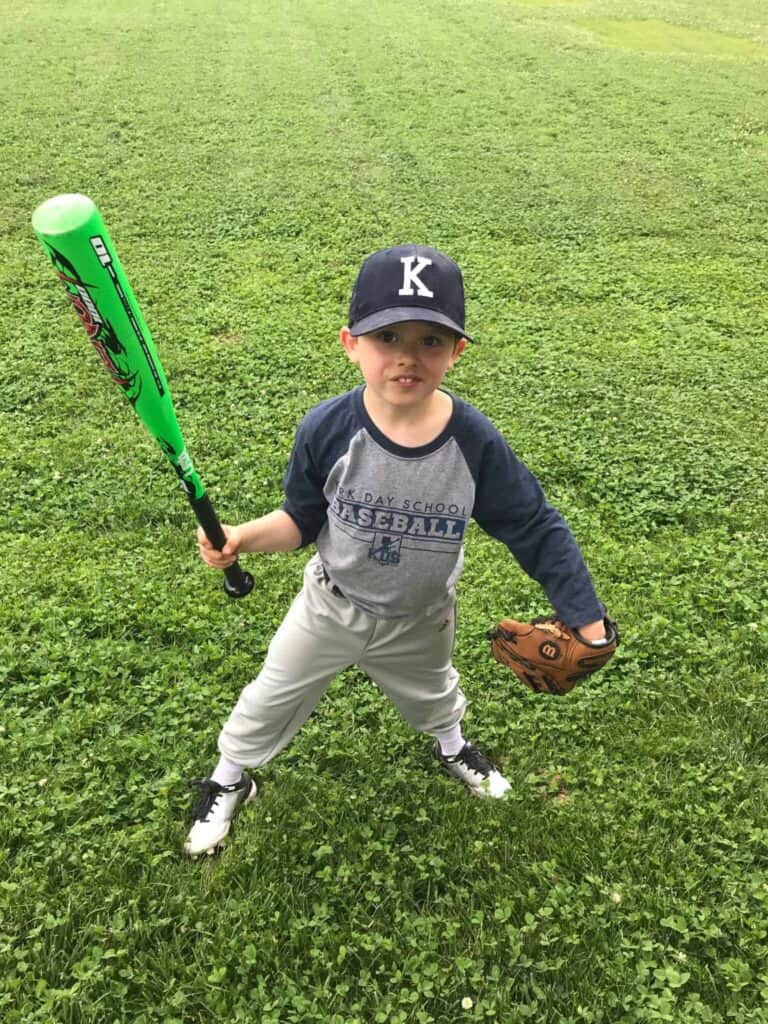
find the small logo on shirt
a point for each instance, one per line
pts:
(385, 549)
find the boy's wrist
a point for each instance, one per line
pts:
(593, 631)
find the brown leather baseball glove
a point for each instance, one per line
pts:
(548, 656)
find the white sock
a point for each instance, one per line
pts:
(226, 773)
(451, 741)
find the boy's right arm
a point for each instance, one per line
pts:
(275, 531)
(280, 530)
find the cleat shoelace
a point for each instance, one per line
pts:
(210, 791)
(474, 760)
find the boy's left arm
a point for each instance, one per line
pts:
(548, 655)
(510, 505)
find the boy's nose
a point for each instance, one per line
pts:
(407, 354)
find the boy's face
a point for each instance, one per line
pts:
(404, 363)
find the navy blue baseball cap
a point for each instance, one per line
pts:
(407, 282)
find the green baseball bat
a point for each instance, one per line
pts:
(72, 233)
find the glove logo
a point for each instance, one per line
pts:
(549, 650)
(547, 656)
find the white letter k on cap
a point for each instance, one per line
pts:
(411, 276)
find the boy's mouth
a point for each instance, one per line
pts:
(406, 379)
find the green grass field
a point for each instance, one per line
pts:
(598, 169)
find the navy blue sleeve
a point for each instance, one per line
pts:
(510, 506)
(303, 483)
(321, 438)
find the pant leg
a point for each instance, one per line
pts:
(320, 636)
(410, 661)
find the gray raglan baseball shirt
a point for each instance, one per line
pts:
(389, 521)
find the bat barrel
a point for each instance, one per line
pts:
(61, 215)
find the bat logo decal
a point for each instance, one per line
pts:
(99, 246)
(100, 331)
(181, 462)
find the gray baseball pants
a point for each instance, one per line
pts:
(409, 659)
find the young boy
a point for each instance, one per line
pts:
(383, 480)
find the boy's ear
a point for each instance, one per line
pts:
(350, 344)
(458, 348)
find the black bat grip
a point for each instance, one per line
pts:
(237, 583)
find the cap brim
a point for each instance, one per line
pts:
(398, 315)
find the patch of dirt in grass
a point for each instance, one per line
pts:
(228, 339)
(552, 786)
(558, 790)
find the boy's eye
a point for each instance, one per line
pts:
(429, 341)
